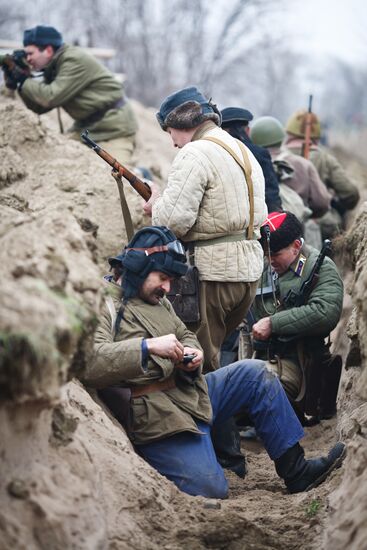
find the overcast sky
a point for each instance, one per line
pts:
(333, 27)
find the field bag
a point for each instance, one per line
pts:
(184, 296)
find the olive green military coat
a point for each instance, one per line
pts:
(77, 82)
(118, 361)
(322, 311)
(305, 324)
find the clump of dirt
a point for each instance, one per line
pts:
(12, 168)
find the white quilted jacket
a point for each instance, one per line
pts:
(206, 197)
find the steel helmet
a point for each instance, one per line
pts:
(267, 131)
(296, 125)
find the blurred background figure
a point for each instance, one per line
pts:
(345, 194)
(236, 122)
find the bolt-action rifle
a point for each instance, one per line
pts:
(297, 299)
(139, 185)
(308, 128)
(294, 298)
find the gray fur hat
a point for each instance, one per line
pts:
(187, 108)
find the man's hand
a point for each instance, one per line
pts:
(15, 76)
(195, 363)
(10, 82)
(262, 329)
(147, 207)
(166, 346)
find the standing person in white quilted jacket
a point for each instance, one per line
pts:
(211, 205)
(207, 203)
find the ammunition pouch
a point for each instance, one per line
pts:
(274, 347)
(184, 296)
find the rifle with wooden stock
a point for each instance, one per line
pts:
(139, 185)
(308, 128)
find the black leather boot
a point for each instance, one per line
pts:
(300, 474)
(227, 445)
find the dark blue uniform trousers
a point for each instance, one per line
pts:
(189, 459)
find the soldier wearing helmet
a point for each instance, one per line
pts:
(303, 178)
(345, 194)
(140, 348)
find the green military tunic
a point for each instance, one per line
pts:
(77, 82)
(118, 361)
(303, 325)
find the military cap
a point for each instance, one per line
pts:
(42, 35)
(284, 228)
(235, 114)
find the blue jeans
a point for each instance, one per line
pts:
(189, 459)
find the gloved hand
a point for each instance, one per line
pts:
(8, 79)
(15, 77)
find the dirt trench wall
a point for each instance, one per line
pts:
(69, 477)
(347, 524)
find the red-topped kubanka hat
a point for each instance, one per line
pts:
(284, 227)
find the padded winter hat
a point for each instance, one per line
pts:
(42, 36)
(187, 108)
(153, 248)
(284, 227)
(235, 114)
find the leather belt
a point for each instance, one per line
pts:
(163, 385)
(222, 239)
(98, 115)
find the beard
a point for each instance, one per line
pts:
(153, 297)
(159, 293)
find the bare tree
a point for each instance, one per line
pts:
(163, 46)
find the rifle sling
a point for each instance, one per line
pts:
(125, 210)
(246, 167)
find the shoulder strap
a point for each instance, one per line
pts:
(246, 167)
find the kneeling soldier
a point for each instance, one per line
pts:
(296, 307)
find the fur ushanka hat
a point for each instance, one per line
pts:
(187, 108)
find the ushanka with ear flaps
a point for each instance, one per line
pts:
(186, 109)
